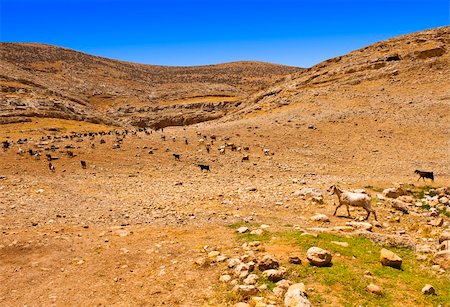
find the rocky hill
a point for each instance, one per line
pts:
(49, 81)
(409, 69)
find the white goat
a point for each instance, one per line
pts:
(348, 198)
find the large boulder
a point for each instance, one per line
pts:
(390, 259)
(318, 257)
(296, 296)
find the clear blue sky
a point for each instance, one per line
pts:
(194, 32)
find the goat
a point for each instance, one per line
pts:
(176, 156)
(245, 158)
(424, 175)
(70, 154)
(5, 145)
(51, 167)
(204, 167)
(348, 198)
(83, 164)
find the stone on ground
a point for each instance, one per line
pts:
(390, 259)
(318, 256)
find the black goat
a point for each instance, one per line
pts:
(424, 175)
(83, 164)
(177, 156)
(204, 167)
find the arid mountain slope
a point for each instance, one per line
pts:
(413, 68)
(48, 81)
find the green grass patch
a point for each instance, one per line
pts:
(344, 282)
(244, 224)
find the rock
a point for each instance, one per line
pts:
(343, 244)
(295, 260)
(213, 254)
(284, 283)
(390, 259)
(372, 288)
(225, 278)
(233, 262)
(442, 258)
(278, 292)
(320, 218)
(309, 193)
(251, 279)
(243, 229)
(296, 296)
(221, 258)
(428, 290)
(202, 262)
(380, 197)
(246, 290)
(445, 245)
(445, 236)
(275, 275)
(267, 262)
(360, 225)
(318, 257)
(241, 304)
(393, 192)
(399, 205)
(258, 232)
(436, 222)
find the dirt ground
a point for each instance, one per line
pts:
(126, 230)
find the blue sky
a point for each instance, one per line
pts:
(194, 32)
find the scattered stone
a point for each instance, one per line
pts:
(213, 254)
(296, 296)
(278, 292)
(233, 262)
(258, 232)
(445, 245)
(246, 290)
(243, 229)
(221, 258)
(251, 279)
(241, 304)
(399, 205)
(318, 257)
(343, 244)
(320, 218)
(372, 288)
(443, 259)
(268, 262)
(393, 192)
(428, 290)
(360, 225)
(436, 222)
(295, 260)
(225, 278)
(275, 275)
(390, 259)
(202, 262)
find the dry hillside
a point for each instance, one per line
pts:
(48, 81)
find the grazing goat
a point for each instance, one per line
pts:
(245, 158)
(83, 164)
(424, 175)
(204, 167)
(51, 167)
(348, 198)
(176, 156)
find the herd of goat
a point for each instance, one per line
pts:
(120, 136)
(345, 198)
